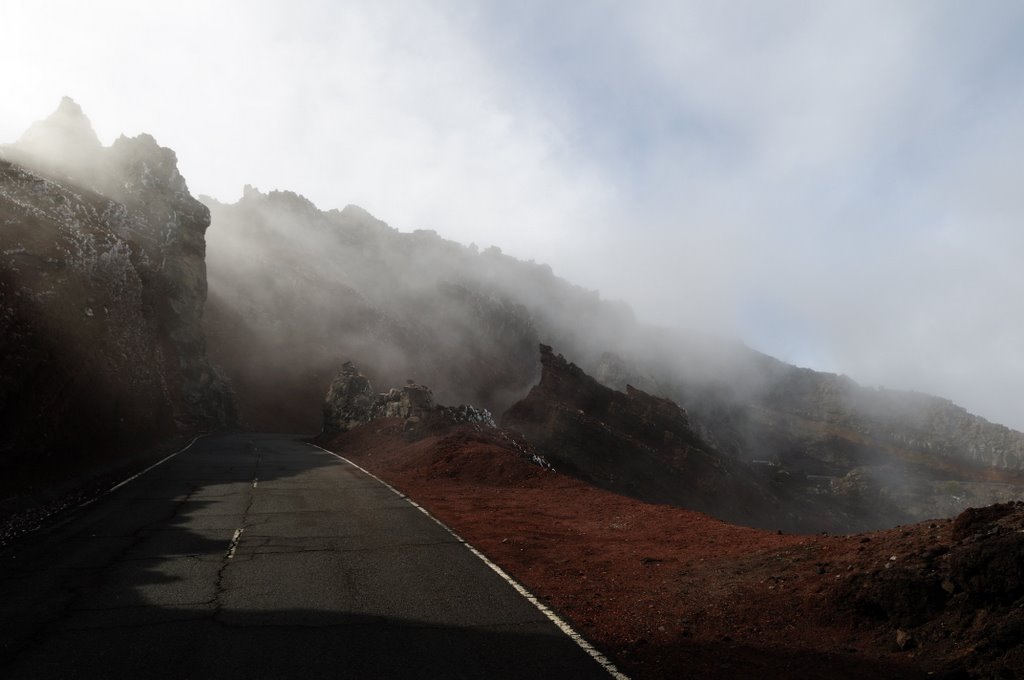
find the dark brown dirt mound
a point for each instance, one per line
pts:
(472, 455)
(954, 590)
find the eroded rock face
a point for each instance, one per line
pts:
(102, 289)
(350, 402)
(170, 225)
(644, 446)
(631, 442)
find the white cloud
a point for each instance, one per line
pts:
(835, 182)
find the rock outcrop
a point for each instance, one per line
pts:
(351, 402)
(102, 289)
(633, 443)
(412, 402)
(645, 446)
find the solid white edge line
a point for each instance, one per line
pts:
(552, 616)
(139, 474)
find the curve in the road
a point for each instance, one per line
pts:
(257, 556)
(562, 625)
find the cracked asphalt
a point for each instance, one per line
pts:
(258, 556)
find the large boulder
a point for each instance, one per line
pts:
(410, 401)
(351, 402)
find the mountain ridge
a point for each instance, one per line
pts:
(706, 376)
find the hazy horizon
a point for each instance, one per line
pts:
(831, 183)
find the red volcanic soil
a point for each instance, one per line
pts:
(668, 592)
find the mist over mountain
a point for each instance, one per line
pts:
(295, 291)
(300, 291)
(325, 286)
(109, 321)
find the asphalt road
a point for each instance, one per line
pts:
(258, 556)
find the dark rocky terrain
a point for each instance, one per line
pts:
(102, 287)
(644, 446)
(634, 443)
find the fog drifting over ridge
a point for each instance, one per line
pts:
(834, 183)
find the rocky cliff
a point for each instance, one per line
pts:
(644, 446)
(102, 288)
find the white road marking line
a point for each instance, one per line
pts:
(139, 474)
(234, 543)
(552, 616)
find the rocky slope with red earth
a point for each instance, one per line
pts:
(670, 592)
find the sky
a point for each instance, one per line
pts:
(837, 184)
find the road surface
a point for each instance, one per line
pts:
(259, 556)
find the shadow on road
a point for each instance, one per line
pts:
(258, 556)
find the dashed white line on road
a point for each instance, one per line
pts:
(234, 543)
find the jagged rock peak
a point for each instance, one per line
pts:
(289, 199)
(62, 142)
(65, 144)
(558, 373)
(565, 382)
(143, 162)
(68, 124)
(631, 442)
